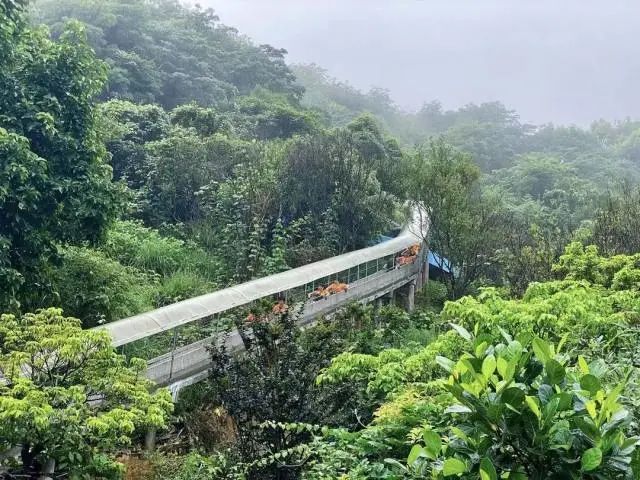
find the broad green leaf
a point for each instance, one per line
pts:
(445, 363)
(457, 408)
(464, 365)
(532, 403)
(513, 351)
(453, 466)
(511, 369)
(481, 348)
(463, 332)
(550, 409)
(591, 409)
(587, 427)
(555, 372)
(591, 459)
(487, 470)
(459, 433)
(513, 396)
(590, 383)
(541, 350)
(432, 444)
(488, 366)
(565, 401)
(505, 335)
(415, 453)
(502, 365)
(582, 363)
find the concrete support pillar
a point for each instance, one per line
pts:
(411, 297)
(48, 470)
(150, 440)
(419, 276)
(425, 274)
(392, 297)
(379, 303)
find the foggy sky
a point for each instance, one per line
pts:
(566, 61)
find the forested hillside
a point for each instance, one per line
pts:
(149, 154)
(160, 52)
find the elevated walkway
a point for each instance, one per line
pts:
(371, 273)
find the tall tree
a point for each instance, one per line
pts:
(617, 221)
(463, 222)
(54, 183)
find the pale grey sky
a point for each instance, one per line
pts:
(566, 61)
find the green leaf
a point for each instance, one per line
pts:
(591, 459)
(432, 444)
(590, 383)
(550, 409)
(532, 402)
(582, 363)
(541, 350)
(445, 363)
(562, 341)
(502, 365)
(460, 434)
(415, 453)
(463, 332)
(457, 408)
(453, 466)
(487, 470)
(513, 396)
(505, 335)
(481, 348)
(587, 427)
(555, 372)
(489, 366)
(513, 351)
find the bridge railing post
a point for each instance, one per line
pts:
(173, 351)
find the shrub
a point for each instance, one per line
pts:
(521, 412)
(98, 289)
(80, 402)
(144, 248)
(181, 285)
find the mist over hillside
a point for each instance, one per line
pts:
(562, 62)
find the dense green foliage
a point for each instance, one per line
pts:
(520, 412)
(163, 52)
(80, 403)
(505, 394)
(54, 183)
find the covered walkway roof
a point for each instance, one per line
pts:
(166, 318)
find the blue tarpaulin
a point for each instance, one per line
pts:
(437, 261)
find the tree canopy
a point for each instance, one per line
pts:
(67, 398)
(164, 52)
(54, 182)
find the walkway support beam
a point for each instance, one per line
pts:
(410, 304)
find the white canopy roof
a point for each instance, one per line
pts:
(146, 324)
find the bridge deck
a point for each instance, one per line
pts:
(194, 358)
(189, 363)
